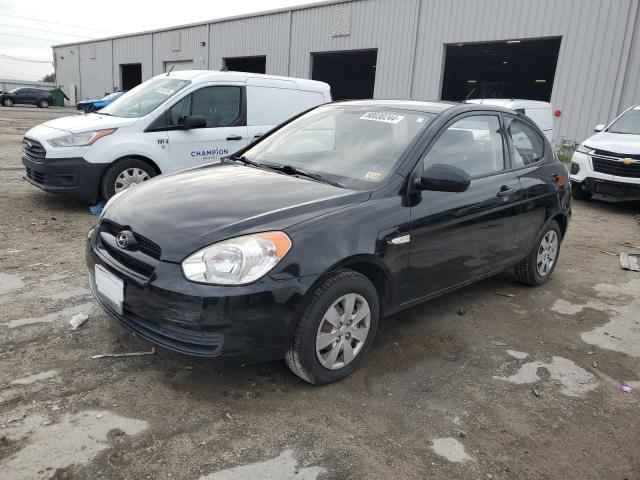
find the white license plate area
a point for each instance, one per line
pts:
(110, 288)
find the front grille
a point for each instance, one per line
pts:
(128, 261)
(605, 153)
(35, 176)
(145, 245)
(616, 167)
(33, 149)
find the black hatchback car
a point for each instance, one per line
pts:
(27, 96)
(296, 246)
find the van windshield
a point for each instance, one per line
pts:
(628, 123)
(145, 98)
(353, 146)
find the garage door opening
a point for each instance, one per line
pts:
(246, 64)
(352, 75)
(506, 69)
(130, 75)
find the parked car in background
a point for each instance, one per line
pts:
(171, 122)
(27, 96)
(540, 112)
(609, 161)
(93, 105)
(296, 246)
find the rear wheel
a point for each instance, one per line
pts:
(537, 268)
(336, 329)
(124, 174)
(579, 192)
(43, 104)
(7, 102)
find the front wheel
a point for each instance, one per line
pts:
(336, 329)
(124, 174)
(43, 104)
(537, 268)
(7, 102)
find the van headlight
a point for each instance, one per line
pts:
(237, 261)
(582, 148)
(80, 139)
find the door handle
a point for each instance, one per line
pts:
(506, 191)
(258, 135)
(234, 137)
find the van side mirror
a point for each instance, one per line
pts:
(444, 178)
(194, 121)
(599, 127)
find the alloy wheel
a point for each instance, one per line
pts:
(343, 331)
(130, 177)
(547, 253)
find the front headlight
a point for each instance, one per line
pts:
(80, 139)
(584, 149)
(237, 261)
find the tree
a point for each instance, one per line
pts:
(49, 77)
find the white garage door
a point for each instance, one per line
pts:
(179, 65)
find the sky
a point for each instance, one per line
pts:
(28, 28)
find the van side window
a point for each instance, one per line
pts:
(219, 105)
(528, 146)
(473, 144)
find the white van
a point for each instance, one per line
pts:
(540, 112)
(171, 122)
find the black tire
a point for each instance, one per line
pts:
(301, 356)
(107, 185)
(579, 193)
(7, 102)
(43, 104)
(526, 271)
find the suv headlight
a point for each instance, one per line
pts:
(80, 139)
(237, 261)
(584, 149)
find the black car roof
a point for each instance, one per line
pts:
(436, 107)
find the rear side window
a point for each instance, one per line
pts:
(473, 144)
(528, 146)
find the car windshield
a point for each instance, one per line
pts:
(16, 90)
(628, 123)
(145, 98)
(354, 146)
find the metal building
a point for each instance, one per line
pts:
(582, 55)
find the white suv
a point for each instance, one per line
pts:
(609, 161)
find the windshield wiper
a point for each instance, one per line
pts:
(245, 160)
(291, 170)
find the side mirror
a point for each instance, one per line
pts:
(194, 121)
(599, 127)
(444, 178)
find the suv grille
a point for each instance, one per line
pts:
(33, 149)
(614, 164)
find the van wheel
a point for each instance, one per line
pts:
(7, 102)
(124, 174)
(43, 104)
(537, 268)
(336, 328)
(580, 193)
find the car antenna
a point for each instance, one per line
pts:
(470, 93)
(171, 69)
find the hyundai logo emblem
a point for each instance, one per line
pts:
(125, 239)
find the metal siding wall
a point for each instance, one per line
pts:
(190, 48)
(265, 35)
(388, 25)
(96, 73)
(590, 54)
(67, 69)
(631, 92)
(135, 49)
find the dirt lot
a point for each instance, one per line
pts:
(473, 385)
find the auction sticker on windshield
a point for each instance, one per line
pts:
(382, 117)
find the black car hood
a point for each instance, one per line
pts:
(186, 211)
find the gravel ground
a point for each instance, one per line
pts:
(523, 384)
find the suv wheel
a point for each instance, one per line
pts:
(124, 174)
(537, 268)
(43, 104)
(7, 102)
(580, 193)
(336, 329)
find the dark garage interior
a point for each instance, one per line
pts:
(246, 64)
(506, 69)
(131, 75)
(352, 74)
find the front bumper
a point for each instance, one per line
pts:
(597, 182)
(255, 322)
(75, 177)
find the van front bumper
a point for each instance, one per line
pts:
(254, 322)
(73, 176)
